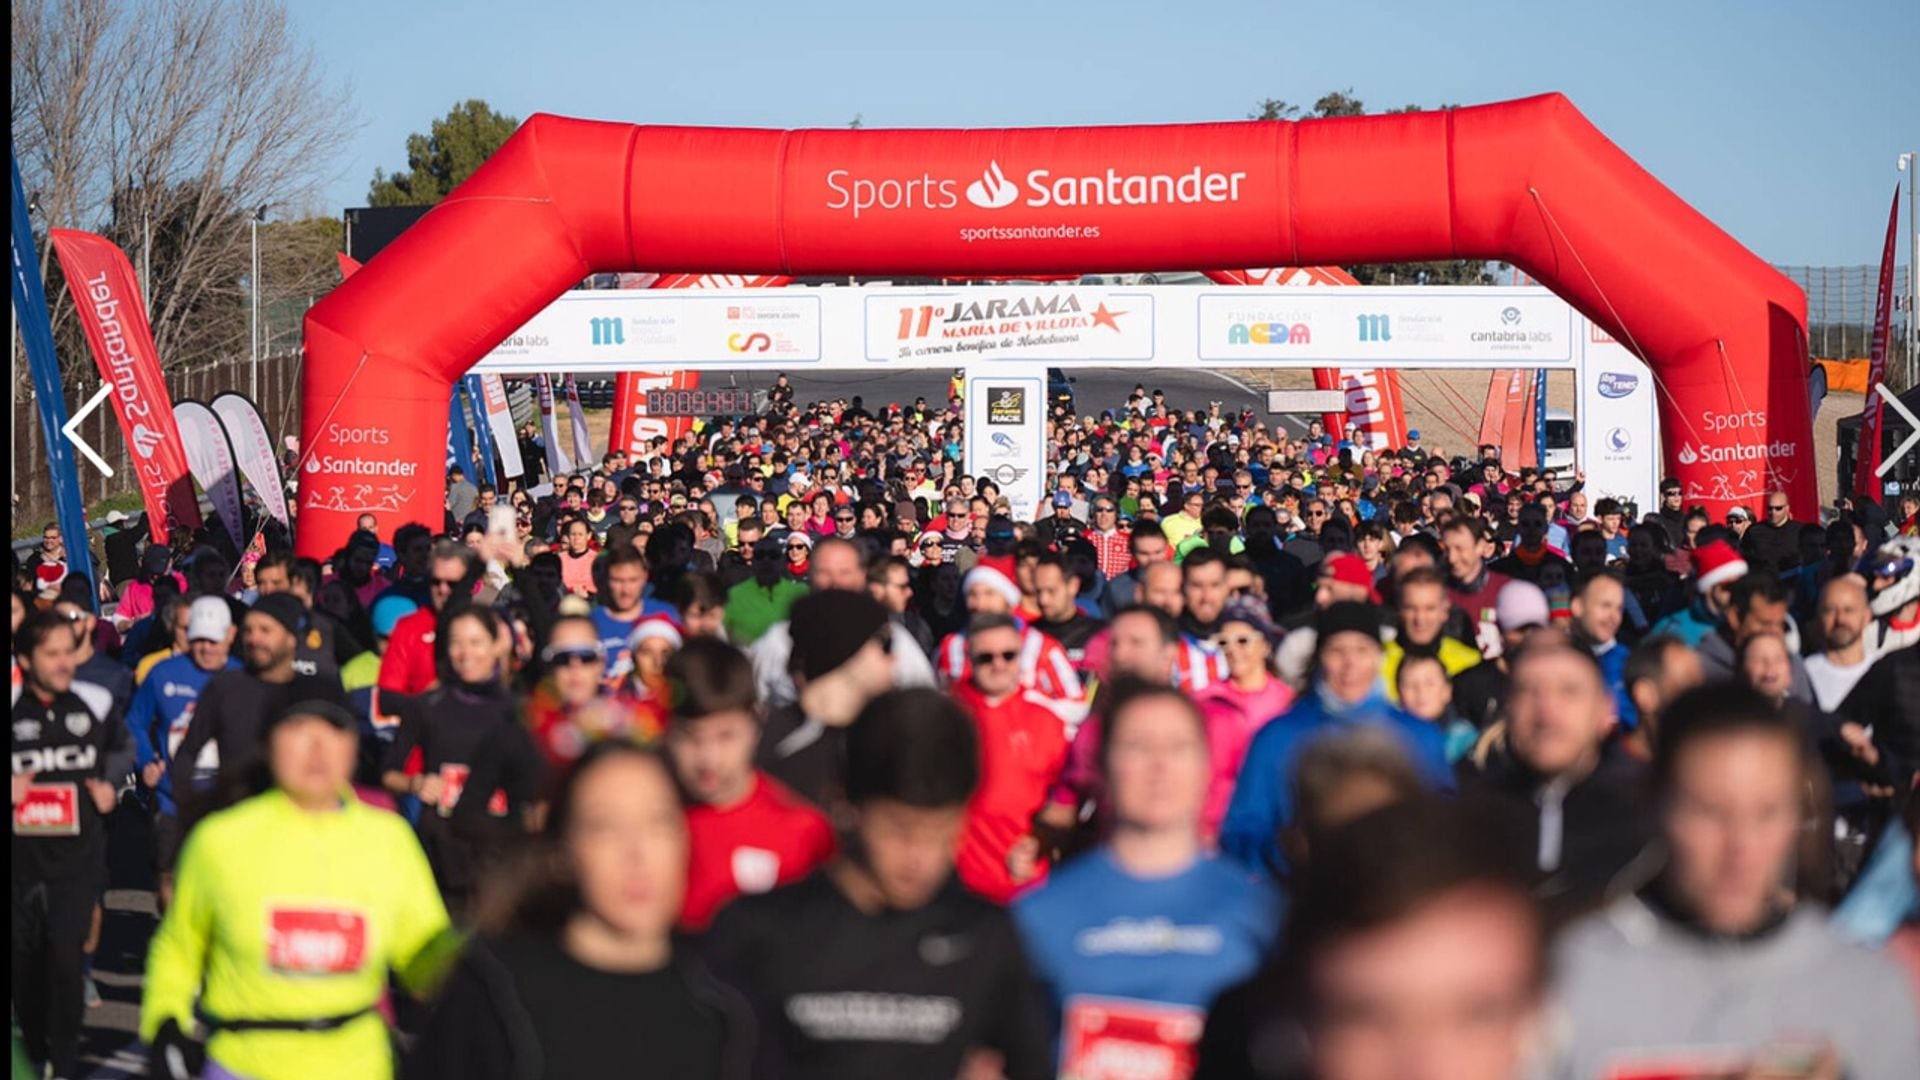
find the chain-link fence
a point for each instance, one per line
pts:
(32, 495)
(1840, 312)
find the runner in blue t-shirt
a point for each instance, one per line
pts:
(1134, 940)
(623, 603)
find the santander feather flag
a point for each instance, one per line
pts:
(108, 299)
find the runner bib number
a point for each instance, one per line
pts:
(48, 810)
(1109, 1039)
(454, 781)
(315, 941)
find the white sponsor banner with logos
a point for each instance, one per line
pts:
(955, 326)
(1147, 326)
(1006, 433)
(1618, 424)
(593, 330)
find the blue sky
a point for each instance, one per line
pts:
(1779, 120)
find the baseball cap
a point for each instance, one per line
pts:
(1521, 604)
(1413, 435)
(209, 619)
(1062, 498)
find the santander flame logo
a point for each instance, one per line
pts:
(1686, 456)
(993, 190)
(146, 440)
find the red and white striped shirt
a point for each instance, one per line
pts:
(1044, 665)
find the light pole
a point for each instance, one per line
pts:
(253, 286)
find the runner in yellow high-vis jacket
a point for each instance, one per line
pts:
(289, 910)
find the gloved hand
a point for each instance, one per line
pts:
(175, 1055)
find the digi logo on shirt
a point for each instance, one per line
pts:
(315, 940)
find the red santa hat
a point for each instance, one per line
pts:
(990, 573)
(655, 626)
(1717, 564)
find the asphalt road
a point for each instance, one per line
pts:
(1095, 388)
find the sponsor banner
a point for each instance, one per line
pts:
(1867, 457)
(1493, 415)
(253, 451)
(1617, 425)
(1037, 322)
(1376, 407)
(608, 329)
(1006, 434)
(210, 457)
(582, 441)
(1459, 328)
(36, 334)
(1143, 326)
(493, 397)
(107, 298)
(1540, 416)
(558, 463)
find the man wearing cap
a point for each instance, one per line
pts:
(1716, 566)
(161, 712)
(1347, 691)
(1053, 532)
(233, 704)
(1672, 515)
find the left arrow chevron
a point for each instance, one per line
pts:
(72, 433)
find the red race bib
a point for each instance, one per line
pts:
(315, 941)
(1108, 1039)
(48, 810)
(454, 777)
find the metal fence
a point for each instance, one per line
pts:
(1840, 311)
(33, 498)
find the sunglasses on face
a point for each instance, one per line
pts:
(449, 583)
(1240, 640)
(575, 654)
(984, 659)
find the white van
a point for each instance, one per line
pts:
(1560, 442)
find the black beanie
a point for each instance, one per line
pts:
(1344, 616)
(829, 627)
(285, 609)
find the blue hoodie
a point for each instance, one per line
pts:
(1691, 624)
(159, 714)
(1263, 796)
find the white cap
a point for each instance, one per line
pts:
(209, 619)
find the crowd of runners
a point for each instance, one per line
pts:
(788, 750)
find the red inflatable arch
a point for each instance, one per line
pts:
(1531, 182)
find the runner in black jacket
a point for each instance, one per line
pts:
(883, 964)
(65, 761)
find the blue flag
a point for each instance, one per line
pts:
(482, 435)
(36, 330)
(1540, 416)
(459, 449)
